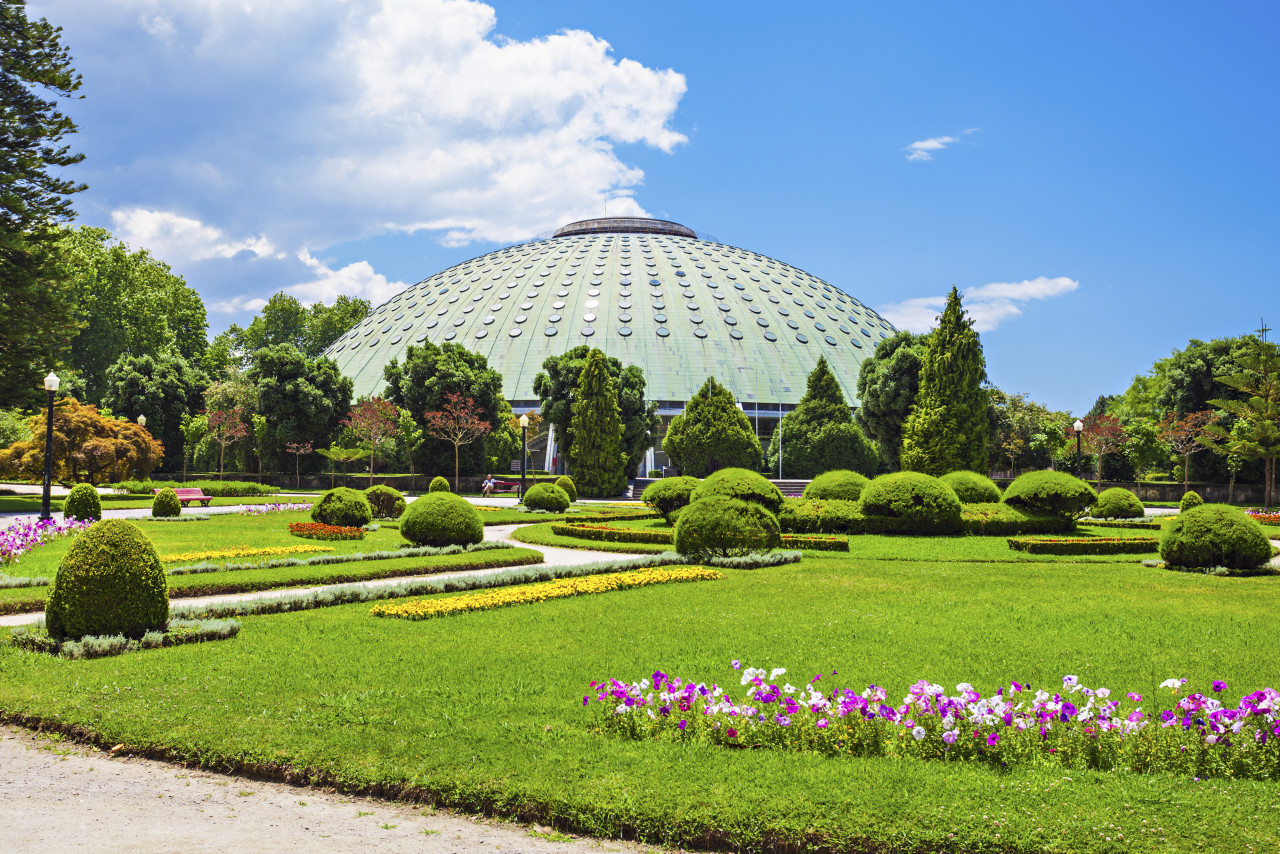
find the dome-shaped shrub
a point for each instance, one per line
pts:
(927, 504)
(110, 582)
(566, 483)
(972, 488)
(546, 496)
(439, 484)
(743, 484)
(1215, 535)
(441, 519)
(670, 494)
(347, 508)
(1051, 493)
(166, 503)
(719, 526)
(384, 502)
(83, 503)
(838, 485)
(1190, 500)
(1117, 503)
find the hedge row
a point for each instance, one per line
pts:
(1083, 546)
(845, 517)
(216, 488)
(576, 517)
(1121, 523)
(634, 535)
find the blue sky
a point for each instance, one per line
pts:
(1095, 177)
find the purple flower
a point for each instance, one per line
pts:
(950, 736)
(992, 739)
(1135, 697)
(735, 664)
(783, 720)
(733, 733)
(585, 700)
(683, 724)
(1219, 685)
(821, 724)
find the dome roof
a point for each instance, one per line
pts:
(647, 292)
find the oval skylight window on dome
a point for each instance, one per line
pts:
(421, 338)
(802, 338)
(735, 334)
(731, 320)
(549, 331)
(820, 327)
(700, 332)
(480, 333)
(769, 336)
(587, 332)
(660, 318)
(866, 332)
(760, 321)
(624, 317)
(624, 331)
(589, 317)
(450, 335)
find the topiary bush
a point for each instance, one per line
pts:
(566, 483)
(83, 503)
(546, 496)
(439, 484)
(1117, 503)
(441, 519)
(1053, 493)
(743, 484)
(670, 494)
(166, 503)
(972, 488)
(838, 485)
(384, 502)
(343, 507)
(1190, 500)
(1215, 535)
(110, 582)
(720, 526)
(925, 504)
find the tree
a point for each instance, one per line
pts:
(1103, 434)
(164, 388)
(226, 427)
(345, 456)
(1184, 437)
(87, 446)
(712, 433)
(1022, 435)
(408, 438)
(459, 422)
(194, 428)
(328, 323)
(1256, 376)
(599, 465)
(888, 383)
(947, 428)
(298, 449)
(302, 400)
(819, 434)
(375, 421)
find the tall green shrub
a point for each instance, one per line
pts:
(819, 434)
(110, 582)
(83, 503)
(712, 433)
(166, 504)
(596, 458)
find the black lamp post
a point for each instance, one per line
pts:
(524, 450)
(51, 386)
(1079, 425)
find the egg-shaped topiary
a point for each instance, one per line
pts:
(1189, 500)
(1117, 503)
(110, 582)
(972, 488)
(442, 519)
(927, 505)
(837, 485)
(346, 508)
(668, 495)
(743, 484)
(439, 484)
(166, 503)
(546, 496)
(1215, 535)
(1051, 493)
(720, 526)
(82, 503)
(566, 483)
(384, 501)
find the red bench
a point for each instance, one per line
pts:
(186, 496)
(505, 485)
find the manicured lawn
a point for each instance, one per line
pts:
(541, 535)
(31, 504)
(511, 516)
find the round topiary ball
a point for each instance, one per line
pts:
(927, 505)
(439, 484)
(384, 502)
(110, 582)
(566, 483)
(1215, 535)
(720, 526)
(839, 485)
(1117, 503)
(82, 503)
(546, 496)
(1190, 500)
(346, 508)
(743, 484)
(166, 503)
(441, 519)
(668, 495)
(972, 488)
(1051, 493)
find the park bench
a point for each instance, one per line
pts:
(186, 496)
(505, 485)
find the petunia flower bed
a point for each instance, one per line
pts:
(1264, 516)
(321, 531)
(1075, 727)
(264, 509)
(25, 535)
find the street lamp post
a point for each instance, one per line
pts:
(51, 386)
(1079, 425)
(524, 450)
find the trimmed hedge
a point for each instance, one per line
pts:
(1137, 524)
(342, 508)
(838, 485)
(670, 494)
(166, 504)
(566, 483)
(742, 484)
(925, 504)
(216, 488)
(801, 515)
(1117, 503)
(1215, 535)
(1051, 493)
(720, 526)
(547, 496)
(1001, 520)
(972, 488)
(385, 502)
(439, 484)
(83, 503)
(1084, 546)
(606, 534)
(441, 519)
(1189, 500)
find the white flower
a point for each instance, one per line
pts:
(776, 672)
(918, 732)
(789, 689)
(964, 686)
(1104, 693)
(1172, 683)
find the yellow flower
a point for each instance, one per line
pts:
(247, 552)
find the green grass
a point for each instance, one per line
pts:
(541, 535)
(483, 711)
(504, 516)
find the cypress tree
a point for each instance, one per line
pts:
(712, 433)
(819, 434)
(597, 461)
(947, 428)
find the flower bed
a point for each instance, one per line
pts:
(605, 533)
(264, 509)
(425, 609)
(321, 531)
(22, 537)
(1264, 517)
(1077, 727)
(244, 552)
(1085, 546)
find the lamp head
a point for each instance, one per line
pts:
(51, 382)
(1079, 425)
(524, 421)
(142, 421)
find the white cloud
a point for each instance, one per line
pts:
(354, 280)
(923, 149)
(237, 305)
(178, 239)
(988, 305)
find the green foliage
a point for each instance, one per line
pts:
(1189, 500)
(669, 494)
(284, 320)
(14, 427)
(840, 485)
(1022, 434)
(442, 519)
(302, 400)
(1051, 492)
(924, 503)
(546, 496)
(888, 384)
(1084, 546)
(741, 484)
(343, 507)
(166, 504)
(972, 488)
(1117, 503)
(566, 483)
(385, 502)
(720, 526)
(216, 488)
(596, 458)
(439, 484)
(1215, 535)
(164, 388)
(110, 582)
(82, 502)
(819, 434)
(711, 433)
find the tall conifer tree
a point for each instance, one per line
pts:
(596, 459)
(819, 434)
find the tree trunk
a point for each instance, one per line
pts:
(455, 468)
(1231, 489)
(372, 457)
(1186, 472)
(297, 471)
(221, 456)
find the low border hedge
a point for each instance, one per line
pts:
(606, 534)
(1121, 523)
(1085, 546)
(808, 516)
